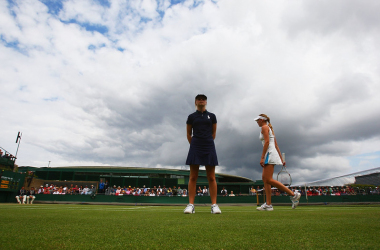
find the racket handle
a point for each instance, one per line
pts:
(283, 156)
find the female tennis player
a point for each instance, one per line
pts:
(201, 131)
(270, 157)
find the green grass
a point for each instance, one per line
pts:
(166, 227)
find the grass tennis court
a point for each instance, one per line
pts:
(50, 226)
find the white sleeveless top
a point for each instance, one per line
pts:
(271, 156)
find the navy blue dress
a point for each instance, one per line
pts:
(202, 148)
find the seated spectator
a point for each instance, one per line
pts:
(199, 191)
(76, 189)
(205, 191)
(92, 190)
(147, 192)
(224, 192)
(184, 194)
(231, 194)
(337, 192)
(351, 190)
(252, 191)
(53, 188)
(179, 191)
(21, 194)
(258, 190)
(41, 190)
(330, 190)
(277, 192)
(69, 191)
(175, 191)
(170, 192)
(80, 190)
(59, 191)
(108, 191)
(30, 195)
(118, 191)
(113, 190)
(163, 192)
(85, 190)
(47, 190)
(152, 193)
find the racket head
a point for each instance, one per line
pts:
(284, 177)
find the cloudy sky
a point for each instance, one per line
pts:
(91, 83)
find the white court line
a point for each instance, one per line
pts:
(201, 209)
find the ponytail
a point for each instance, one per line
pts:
(268, 121)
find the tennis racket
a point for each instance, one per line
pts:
(283, 176)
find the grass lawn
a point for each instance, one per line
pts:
(50, 226)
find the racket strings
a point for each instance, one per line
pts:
(284, 177)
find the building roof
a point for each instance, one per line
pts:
(134, 171)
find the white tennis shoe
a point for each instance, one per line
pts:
(295, 199)
(189, 209)
(265, 207)
(215, 209)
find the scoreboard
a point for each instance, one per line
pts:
(10, 181)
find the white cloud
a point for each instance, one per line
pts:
(78, 99)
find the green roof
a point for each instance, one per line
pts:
(130, 170)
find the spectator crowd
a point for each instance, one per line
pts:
(72, 190)
(144, 191)
(28, 196)
(325, 190)
(338, 191)
(6, 159)
(7, 156)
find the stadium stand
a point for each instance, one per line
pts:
(7, 160)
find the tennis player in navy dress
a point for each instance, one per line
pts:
(201, 131)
